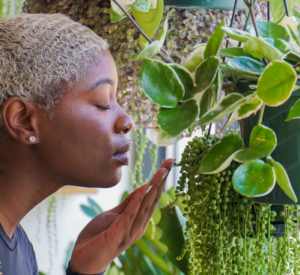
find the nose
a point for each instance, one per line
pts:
(123, 124)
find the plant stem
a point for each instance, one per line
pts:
(162, 51)
(296, 65)
(261, 114)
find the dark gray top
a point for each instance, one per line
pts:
(17, 256)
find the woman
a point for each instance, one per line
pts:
(61, 125)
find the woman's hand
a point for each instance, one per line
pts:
(113, 231)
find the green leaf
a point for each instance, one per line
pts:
(149, 21)
(215, 41)
(89, 211)
(278, 9)
(283, 179)
(238, 35)
(262, 143)
(144, 5)
(94, 205)
(233, 52)
(173, 237)
(230, 120)
(161, 83)
(221, 154)
(252, 105)
(115, 17)
(294, 113)
(148, 52)
(226, 106)
(217, 92)
(276, 83)
(158, 137)
(246, 65)
(292, 57)
(184, 75)
(260, 48)
(163, 33)
(268, 29)
(254, 179)
(294, 35)
(117, 10)
(206, 73)
(280, 45)
(175, 120)
(296, 10)
(206, 101)
(195, 58)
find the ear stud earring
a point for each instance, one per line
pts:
(32, 139)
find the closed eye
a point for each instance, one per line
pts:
(103, 108)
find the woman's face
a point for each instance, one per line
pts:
(80, 144)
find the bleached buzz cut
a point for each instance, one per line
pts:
(42, 56)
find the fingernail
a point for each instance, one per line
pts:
(165, 174)
(149, 188)
(171, 166)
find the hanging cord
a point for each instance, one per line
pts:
(269, 11)
(286, 8)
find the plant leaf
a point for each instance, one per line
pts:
(294, 111)
(206, 73)
(238, 35)
(149, 21)
(89, 211)
(163, 33)
(276, 83)
(268, 29)
(95, 206)
(221, 154)
(195, 58)
(184, 75)
(175, 120)
(247, 65)
(226, 106)
(278, 9)
(252, 105)
(215, 41)
(206, 101)
(148, 52)
(254, 179)
(233, 52)
(161, 84)
(260, 48)
(283, 179)
(158, 137)
(217, 92)
(294, 35)
(263, 141)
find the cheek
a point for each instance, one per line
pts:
(81, 147)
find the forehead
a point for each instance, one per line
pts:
(104, 69)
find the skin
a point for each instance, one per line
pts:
(75, 147)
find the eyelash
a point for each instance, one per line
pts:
(103, 108)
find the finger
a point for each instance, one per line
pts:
(123, 224)
(152, 209)
(122, 206)
(150, 201)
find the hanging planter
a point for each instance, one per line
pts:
(205, 4)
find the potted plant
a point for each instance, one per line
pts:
(228, 233)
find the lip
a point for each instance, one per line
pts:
(123, 158)
(121, 154)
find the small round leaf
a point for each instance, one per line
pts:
(295, 111)
(254, 179)
(161, 83)
(238, 35)
(175, 120)
(276, 83)
(263, 141)
(221, 154)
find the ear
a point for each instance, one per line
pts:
(20, 119)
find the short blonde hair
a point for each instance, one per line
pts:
(43, 55)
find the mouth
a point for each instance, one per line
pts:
(122, 153)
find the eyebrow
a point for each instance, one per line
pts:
(100, 82)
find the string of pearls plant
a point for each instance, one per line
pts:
(226, 232)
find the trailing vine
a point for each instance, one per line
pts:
(228, 233)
